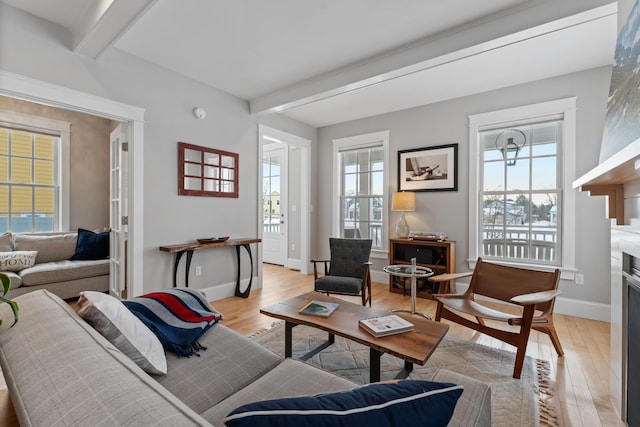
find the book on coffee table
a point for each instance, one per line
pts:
(319, 308)
(385, 325)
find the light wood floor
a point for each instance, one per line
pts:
(581, 377)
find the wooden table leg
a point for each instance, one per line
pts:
(239, 293)
(374, 365)
(288, 337)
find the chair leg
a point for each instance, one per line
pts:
(553, 335)
(523, 339)
(438, 312)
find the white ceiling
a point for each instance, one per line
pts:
(330, 61)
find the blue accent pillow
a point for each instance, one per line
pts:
(91, 246)
(404, 403)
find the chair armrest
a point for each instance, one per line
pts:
(450, 276)
(535, 298)
(450, 296)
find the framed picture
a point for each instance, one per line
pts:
(428, 169)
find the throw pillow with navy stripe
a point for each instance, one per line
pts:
(404, 403)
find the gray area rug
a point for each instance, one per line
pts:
(515, 402)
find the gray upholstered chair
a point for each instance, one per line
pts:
(347, 272)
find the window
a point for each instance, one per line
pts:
(29, 181)
(360, 187)
(521, 160)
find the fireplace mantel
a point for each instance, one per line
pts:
(610, 177)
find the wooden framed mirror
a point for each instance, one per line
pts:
(204, 171)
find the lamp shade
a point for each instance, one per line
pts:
(403, 201)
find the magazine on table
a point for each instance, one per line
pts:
(319, 308)
(386, 325)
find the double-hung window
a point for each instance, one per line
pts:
(360, 187)
(521, 162)
(31, 196)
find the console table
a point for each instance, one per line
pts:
(189, 248)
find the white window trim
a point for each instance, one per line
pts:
(355, 142)
(33, 123)
(566, 107)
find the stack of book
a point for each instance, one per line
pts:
(385, 325)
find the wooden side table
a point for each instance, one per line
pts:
(189, 248)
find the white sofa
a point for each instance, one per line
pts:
(54, 270)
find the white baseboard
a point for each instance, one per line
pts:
(379, 276)
(294, 264)
(225, 290)
(586, 309)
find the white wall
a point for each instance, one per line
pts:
(447, 122)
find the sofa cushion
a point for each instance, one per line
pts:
(179, 317)
(113, 321)
(230, 363)
(409, 402)
(91, 246)
(61, 372)
(16, 280)
(17, 260)
(5, 242)
(474, 406)
(50, 247)
(61, 271)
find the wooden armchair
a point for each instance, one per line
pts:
(534, 291)
(347, 272)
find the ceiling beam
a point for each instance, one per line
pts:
(522, 22)
(100, 26)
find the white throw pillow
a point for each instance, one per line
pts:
(17, 260)
(117, 324)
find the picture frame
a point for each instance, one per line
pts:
(428, 168)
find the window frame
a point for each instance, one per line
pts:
(62, 130)
(565, 107)
(360, 142)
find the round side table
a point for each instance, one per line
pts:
(414, 272)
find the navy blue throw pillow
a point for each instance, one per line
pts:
(91, 246)
(404, 403)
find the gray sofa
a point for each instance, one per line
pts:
(53, 269)
(60, 371)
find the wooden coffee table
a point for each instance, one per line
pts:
(413, 347)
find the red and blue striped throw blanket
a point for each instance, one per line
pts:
(177, 316)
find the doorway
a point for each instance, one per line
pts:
(275, 203)
(286, 234)
(21, 87)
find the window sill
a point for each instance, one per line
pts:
(379, 254)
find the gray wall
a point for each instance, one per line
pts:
(37, 49)
(447, 122)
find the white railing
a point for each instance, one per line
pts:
(520, 243)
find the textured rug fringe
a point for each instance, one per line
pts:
(548, 417)
(260, 332)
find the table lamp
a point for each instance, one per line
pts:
(403, 202)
